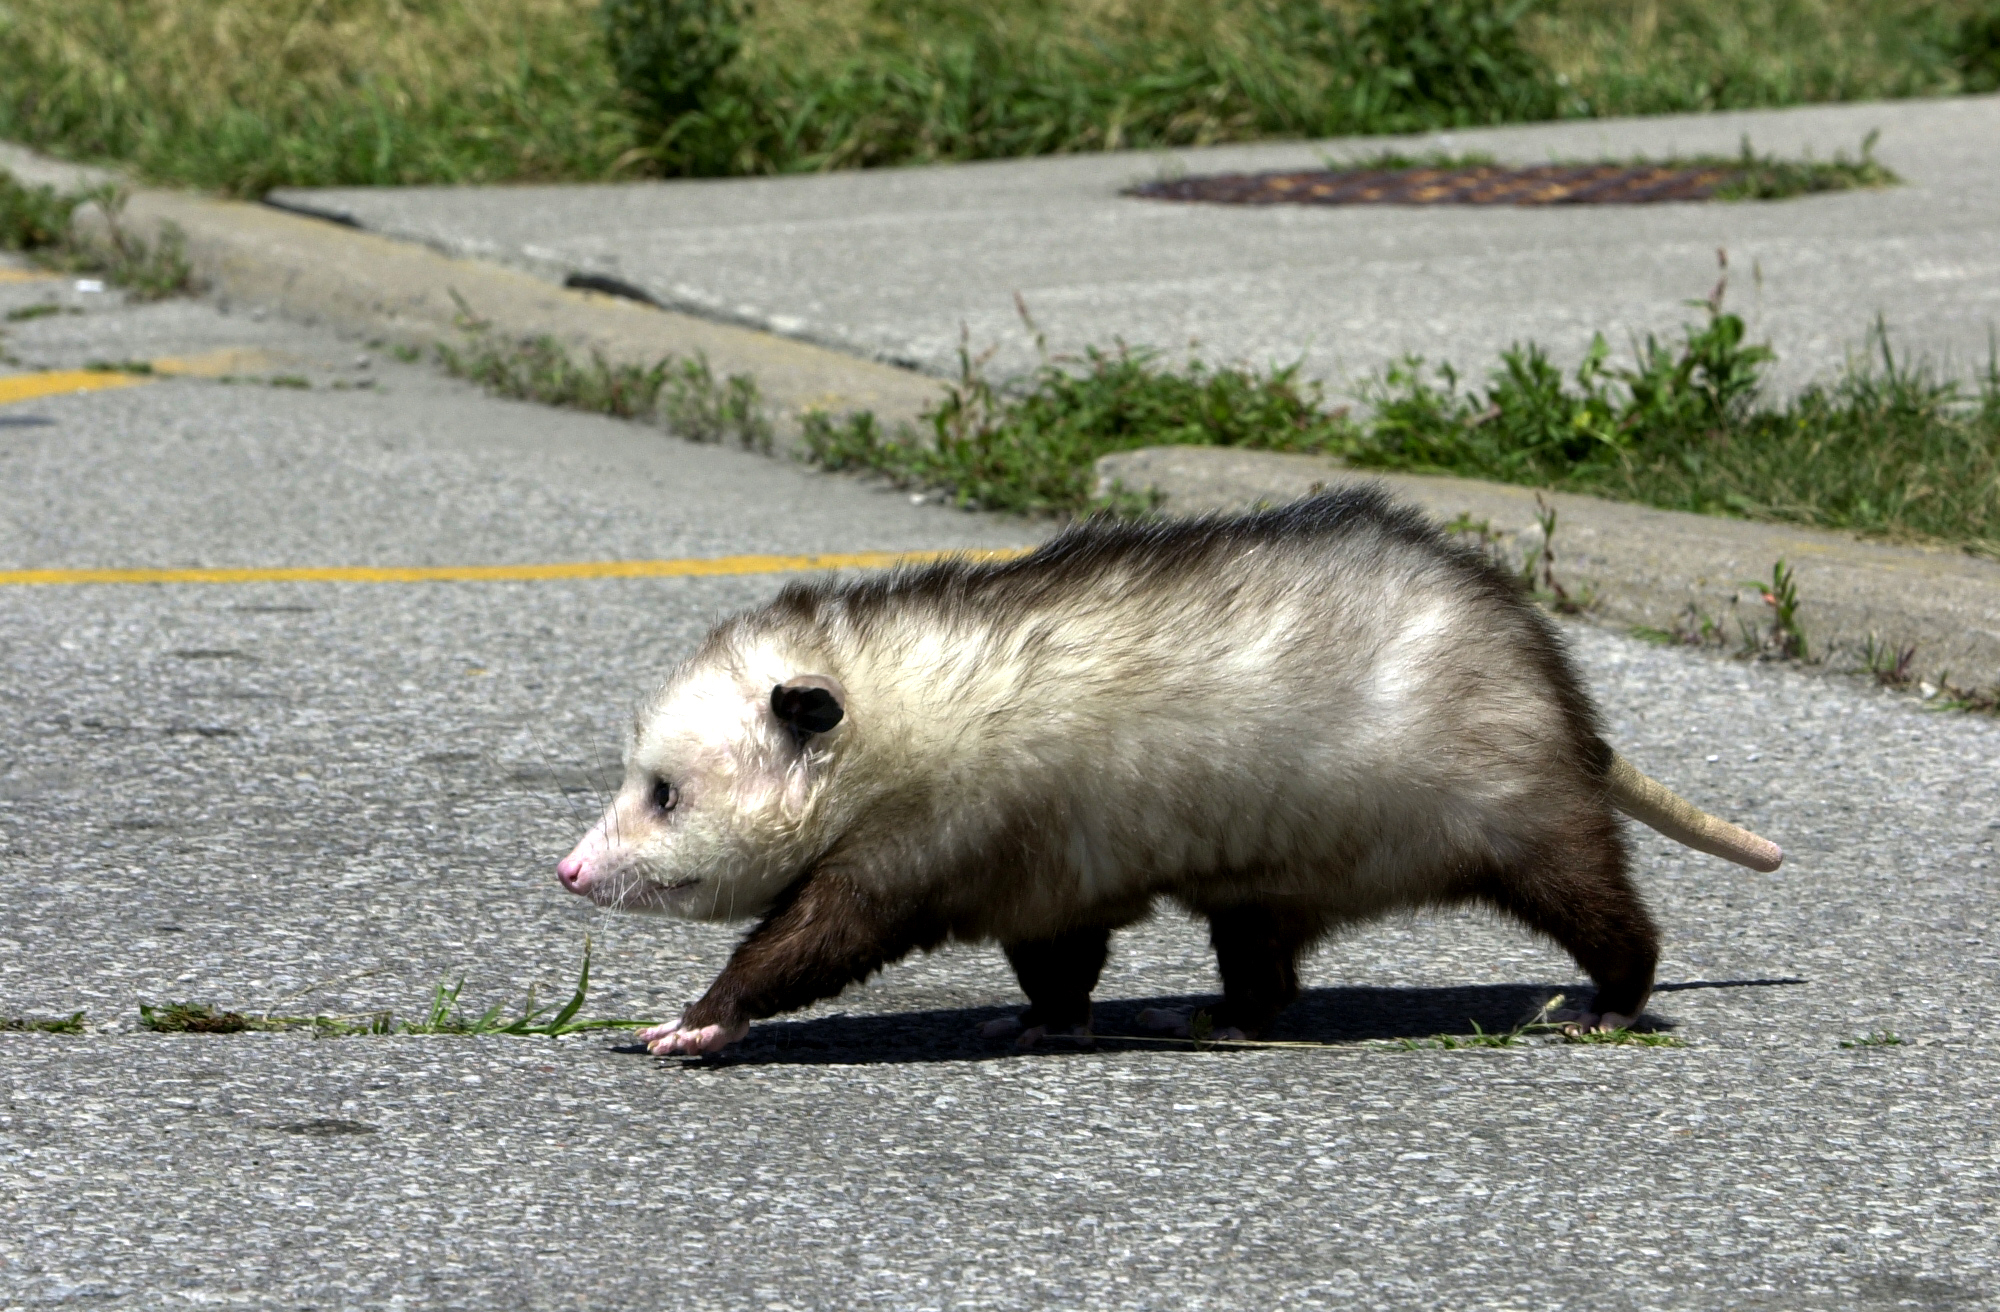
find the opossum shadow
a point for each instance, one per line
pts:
(1352, 1014)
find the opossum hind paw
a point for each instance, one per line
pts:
(1032, 1036)
(670, 1040)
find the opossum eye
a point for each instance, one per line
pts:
(665, 797)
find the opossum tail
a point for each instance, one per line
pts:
(1657, 806)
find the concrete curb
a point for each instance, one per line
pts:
(1658, 569)
(409, 295)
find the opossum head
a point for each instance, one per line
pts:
(721, 776)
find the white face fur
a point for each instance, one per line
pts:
(710, 821)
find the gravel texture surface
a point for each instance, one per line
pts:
(331, 797)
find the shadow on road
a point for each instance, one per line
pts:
(1331, 1015)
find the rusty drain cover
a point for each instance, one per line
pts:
(1480, 184)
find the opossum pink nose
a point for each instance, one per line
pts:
(570, 871)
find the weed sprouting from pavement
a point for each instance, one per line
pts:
(22, 314)
(1694, 627)
(1033, 449)
(1786, 638)
(443, 1015)
(1888, 449)
(1545, 1025)
(1889, 662)
(43, 223)
(1538, 570)
(1765, 177)
(1750, 175)
(1534, 569)
(681, 392)
(34, 218)
(201, 1018)
(70, 1024)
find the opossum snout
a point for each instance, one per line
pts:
(590, 862)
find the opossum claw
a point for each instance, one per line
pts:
(1591, 1022)
(671, 1040)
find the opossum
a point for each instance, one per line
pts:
(1285, 722)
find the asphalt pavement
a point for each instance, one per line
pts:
(895, 263)
(332, 796)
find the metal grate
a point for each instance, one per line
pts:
(1483, 184)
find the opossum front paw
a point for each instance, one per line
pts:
(671, 1040)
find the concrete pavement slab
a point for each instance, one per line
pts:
(892, 264)
(335, 796)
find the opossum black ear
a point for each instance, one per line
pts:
(807, 705)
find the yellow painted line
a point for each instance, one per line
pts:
(67, 382)
(26, 275)
(62, 382)
(216, 364)
(710, 567)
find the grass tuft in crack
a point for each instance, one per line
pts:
(1542, 1026)
(1888, 448)
(1033, 449)
(70, 1024)
(43, 223)
(1766, 177)
(444, 1015)
(682, 393)
(1756, 176)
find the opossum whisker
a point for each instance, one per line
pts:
(554, 776)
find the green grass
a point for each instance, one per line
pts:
(682, 393)
(1765, 177)
(1032, 450)
(70, 1024)
(1888, 448)
(22, 314)
(1543, 1027)
(443, 1015)
(244, 95)
(43, 223)
(1758, 176)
